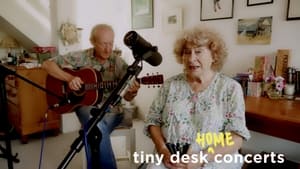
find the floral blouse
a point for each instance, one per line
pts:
(182, 113)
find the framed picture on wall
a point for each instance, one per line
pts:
(293, 10)
(142, 14)
(254, 30)
(258, 2)
(216, 9)
(172, 20)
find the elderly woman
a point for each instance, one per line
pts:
(198, 104)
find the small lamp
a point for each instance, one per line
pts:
(9, 43)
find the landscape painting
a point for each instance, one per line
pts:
(255, 30)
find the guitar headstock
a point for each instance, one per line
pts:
(152, 80)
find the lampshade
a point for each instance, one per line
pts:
(9, 42)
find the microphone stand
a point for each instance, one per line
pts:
(7, 151)
(92, 132)
(9, 71)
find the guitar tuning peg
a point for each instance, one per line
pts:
(147, 74)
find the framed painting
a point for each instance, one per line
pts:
(142, 14)
(258, 2)
(216, 9)
(293, 10)
(254, 30)
(172, 20)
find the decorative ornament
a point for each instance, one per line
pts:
(69, 33)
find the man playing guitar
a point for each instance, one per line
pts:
(111, 67)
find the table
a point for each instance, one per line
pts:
(279, 118)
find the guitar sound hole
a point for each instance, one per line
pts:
(76, 96)
(79, 92)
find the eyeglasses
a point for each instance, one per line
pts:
(105, 44)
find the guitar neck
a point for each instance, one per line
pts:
(101, 85)
(146, 80)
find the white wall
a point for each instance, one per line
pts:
(27, 19)
(118, 13)
(284, 35)
(3, 52)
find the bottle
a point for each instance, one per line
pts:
(290, 75)
(21, 58)
(9, 58)
(15, 60)
(25, 54)
(294, 75)
(289, 89)
(297, 81)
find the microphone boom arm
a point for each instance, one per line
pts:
(9, 71)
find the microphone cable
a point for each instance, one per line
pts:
(43, 138)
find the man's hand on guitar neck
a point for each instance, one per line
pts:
(132, 90)
(75, 83)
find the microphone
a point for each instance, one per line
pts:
(142, 49)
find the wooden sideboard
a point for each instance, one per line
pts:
(27, 104)
(279, 118)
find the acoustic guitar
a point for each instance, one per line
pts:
(90, 92)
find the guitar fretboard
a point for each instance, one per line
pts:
(101, 85)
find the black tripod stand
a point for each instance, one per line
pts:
(92, 132)
(5, 125)
(7, 128)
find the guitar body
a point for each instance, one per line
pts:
(78, 98)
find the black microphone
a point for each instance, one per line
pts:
(142, 49)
